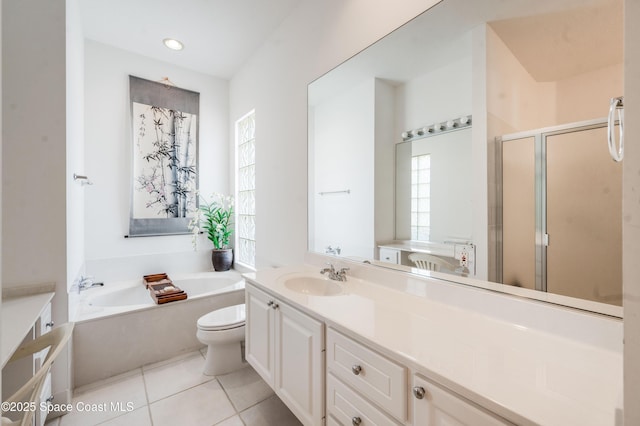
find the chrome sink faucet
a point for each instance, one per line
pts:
(340, 275)
(85, 283)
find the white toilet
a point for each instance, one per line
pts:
(222, 331)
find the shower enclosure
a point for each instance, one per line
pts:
(559, 212)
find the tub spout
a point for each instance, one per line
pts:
(85, 283)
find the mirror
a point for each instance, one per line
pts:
(411, 148)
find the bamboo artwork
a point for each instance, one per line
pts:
(165, 158)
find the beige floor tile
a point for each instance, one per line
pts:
(245, 388)
(139, 417)
(233, 421)
(96, 404)
(108, 381)
(269, 412)
(205, 404)
(173, 360)
(169, 379)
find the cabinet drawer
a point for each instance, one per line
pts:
(389, 255)
(435, 405)
(376, 377)
(347, 408)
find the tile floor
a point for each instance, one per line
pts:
(175, 392)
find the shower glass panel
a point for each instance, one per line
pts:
(561, 212)
(518, 217)
(584, 207)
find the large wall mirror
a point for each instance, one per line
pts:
(471, 142)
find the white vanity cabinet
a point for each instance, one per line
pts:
(43, 326)
(286, 347)
(435, 406)
(19, 371)
(389, 255)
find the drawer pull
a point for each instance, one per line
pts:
(49, 324)
(356, 369)
(418, 392)
(270, 303)
(275, 306)
(49, 399)
(355, 421)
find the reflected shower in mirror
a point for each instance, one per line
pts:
(382, 187)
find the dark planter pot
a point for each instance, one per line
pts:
(222, 259)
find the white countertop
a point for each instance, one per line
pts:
(18, 316)
(527, 374)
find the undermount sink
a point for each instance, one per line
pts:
(313, 286)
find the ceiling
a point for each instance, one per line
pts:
(552, 39)
(576, 40)
(219, 35)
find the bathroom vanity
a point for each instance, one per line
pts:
(390, 348)
(25, 317)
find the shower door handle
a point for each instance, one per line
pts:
(616, 105)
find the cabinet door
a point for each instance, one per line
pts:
(299, 358)
(259, 333)
(438, 407)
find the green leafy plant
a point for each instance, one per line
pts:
(215, 218)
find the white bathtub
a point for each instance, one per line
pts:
(119, 327)
(131, 295)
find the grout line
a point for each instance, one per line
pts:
(258, 403)
(146, 395)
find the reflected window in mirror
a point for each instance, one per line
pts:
(421, 197)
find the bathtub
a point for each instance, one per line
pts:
(119, 327)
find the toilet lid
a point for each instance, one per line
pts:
(223, 319)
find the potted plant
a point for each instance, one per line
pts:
(216, 220)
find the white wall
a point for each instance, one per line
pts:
(631, 215)
(34, 155)
(515, 101)
(0, 167)
(586, 96)
(108, 151)
(343, 152)
(385, 135)
(439, 95)
(316, 37)
(75, 140)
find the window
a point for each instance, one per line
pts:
(246, 190)
(420, 197)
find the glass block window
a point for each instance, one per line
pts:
(246, 190)
(421, 197)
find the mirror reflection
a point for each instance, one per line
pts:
(472, 141)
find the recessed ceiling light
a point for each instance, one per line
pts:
(173, 44)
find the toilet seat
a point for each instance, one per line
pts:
(223, 319)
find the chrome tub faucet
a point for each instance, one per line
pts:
(85, 283)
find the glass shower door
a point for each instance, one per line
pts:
(518, 213)
(561, 228)
(583, 211)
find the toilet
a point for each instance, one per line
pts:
(222, 331)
